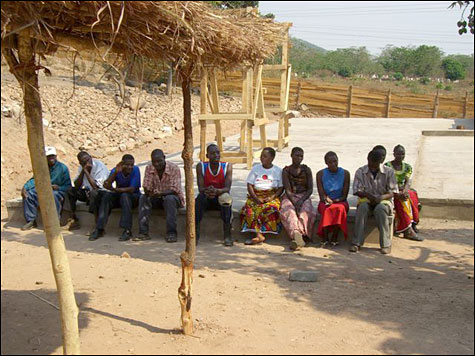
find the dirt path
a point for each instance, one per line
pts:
(419, 299)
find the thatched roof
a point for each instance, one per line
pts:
(188, 33)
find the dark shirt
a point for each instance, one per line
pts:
(59, 175)
(132, 180)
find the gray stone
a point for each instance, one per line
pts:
(303, 276)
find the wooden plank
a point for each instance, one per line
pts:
(233, 154)
(274, 67)
(203, 111)
(225, 116)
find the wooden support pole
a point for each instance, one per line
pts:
(28, 79)
(297, 99)
(388, 103)
(215, 101)
(436, 105)
(203, 111)
(188, 256)
(350, 98)
(280, 134)
(249, 151)
(465, 104)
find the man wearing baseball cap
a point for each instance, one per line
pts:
(60, 182)
(214, 183)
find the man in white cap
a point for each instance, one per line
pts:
(214, 184)
(60, 182)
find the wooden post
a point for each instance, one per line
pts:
(245, 98)
(297, 99)
(350, 97)
(465, 105)
(170, 79)
(215, 100)
(249, 150)
(25, 73)
(436, 105)
(388, 103)
(203, 111)
(188, 256)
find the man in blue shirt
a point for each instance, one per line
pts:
(60, 182)
(124, 195)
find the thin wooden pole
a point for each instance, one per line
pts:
(465, 104)
(436, 105)
(203, 111)
(299, 88)
(26, 75)
(188, 256)
(388, 103)
(350, 98)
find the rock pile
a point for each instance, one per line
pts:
(95, 119)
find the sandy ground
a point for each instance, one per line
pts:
(418, 300)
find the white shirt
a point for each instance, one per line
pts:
(99, 173)
(265, 179)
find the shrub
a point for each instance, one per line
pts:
(448, 87)
(424, 80)
(439, 85)
(398, 76)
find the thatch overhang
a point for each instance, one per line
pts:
(187, 33)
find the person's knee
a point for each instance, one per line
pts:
(170, 200)
(363, 208)
(125, 198)
(381, 209)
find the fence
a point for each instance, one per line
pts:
(359, 102)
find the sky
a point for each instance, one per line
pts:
(374, 25)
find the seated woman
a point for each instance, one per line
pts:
(297, 212)
(260, 214)
(406, 203)
(333, 184)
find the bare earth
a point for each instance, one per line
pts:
(418, 300)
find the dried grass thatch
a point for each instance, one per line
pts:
(187, 33)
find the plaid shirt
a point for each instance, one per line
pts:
(171, 180)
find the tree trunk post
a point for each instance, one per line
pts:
(188, 256)
(465, 105)
(388, 103)
(297, 99)
(170, 79)
(436, 105)
(350, 98)
(25, 72)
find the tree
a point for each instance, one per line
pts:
(462, 24)
(426, 61)
(454, 70)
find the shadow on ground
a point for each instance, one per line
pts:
(426, 297)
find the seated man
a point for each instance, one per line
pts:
(214, 184)
(162, 186)
(124, 195)
(375, 186)
(60, 182)
(88, 186)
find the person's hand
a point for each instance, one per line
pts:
(88, 166)
(55, 187)
(24, 193)
(298, 206)
(259, 201)
(118, 167)
(328, 200)
(210, 192)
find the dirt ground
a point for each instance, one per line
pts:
(418, 300)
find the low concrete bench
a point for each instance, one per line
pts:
(211, 226)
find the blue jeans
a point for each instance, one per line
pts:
(31, 204)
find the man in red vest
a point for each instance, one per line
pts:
(214, 184)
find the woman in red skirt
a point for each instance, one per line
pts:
(333, 184)
(406, 203)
